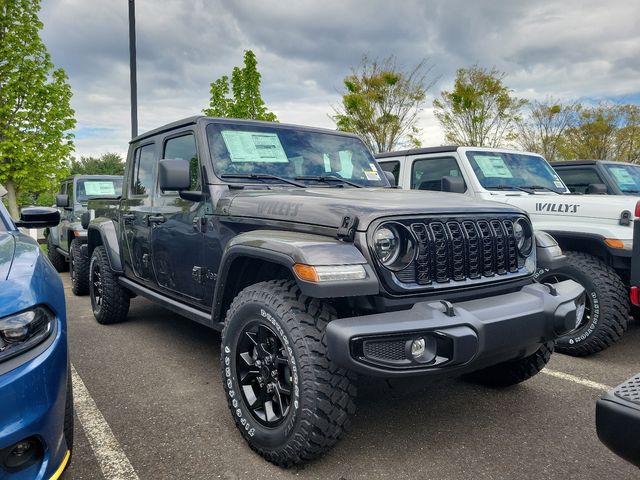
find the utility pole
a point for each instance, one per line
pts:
(133, 69)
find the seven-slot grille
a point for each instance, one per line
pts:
(456, 250)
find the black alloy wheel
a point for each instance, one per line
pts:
(264, 374)
(96, 286)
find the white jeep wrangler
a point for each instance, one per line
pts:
(595, 231)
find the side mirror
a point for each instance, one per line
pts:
(62, 200)
(597, 189)
(85, 219)
(453, 184)
(391, 177)
(174, 175)
(38, 217)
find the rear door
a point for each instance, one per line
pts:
(136, 208)
(177, 227)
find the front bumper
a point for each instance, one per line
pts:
(458, 338)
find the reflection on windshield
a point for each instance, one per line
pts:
(627, 177)
(498, 170)
(309, 156)
(86, 189)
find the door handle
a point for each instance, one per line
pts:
(156, 219)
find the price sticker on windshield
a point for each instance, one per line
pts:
(92, 187)
(258, 147)
(622, 176)
(493, 166)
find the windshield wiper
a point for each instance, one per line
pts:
(630, 190)
(263, 176)
(539, 187)
(326, 179)
(509, 187)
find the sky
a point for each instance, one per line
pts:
(574, 50)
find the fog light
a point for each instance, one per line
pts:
(21, 455)
(417, 347)
(21, 448)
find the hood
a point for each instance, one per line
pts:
(328, 206)
(7, 252)
(602, 207)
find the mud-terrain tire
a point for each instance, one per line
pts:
(321, 398)
(78, 269)
(514, 371)
(607, 313)
(109, 300)
(58, 260)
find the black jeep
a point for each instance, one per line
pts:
(289, 241)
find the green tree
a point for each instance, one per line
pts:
(480, 111)
(628, 135)
(106, 164)
(543, 127)
(595, 134)
(382, 103)
(35, 112)
(245, 100)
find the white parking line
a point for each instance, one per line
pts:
(578, 380)
(113, 462)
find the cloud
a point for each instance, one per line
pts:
(570, 50)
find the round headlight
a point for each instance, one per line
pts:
(523, 236)
(394, 246)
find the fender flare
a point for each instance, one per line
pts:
(288, 248)
(102, 231)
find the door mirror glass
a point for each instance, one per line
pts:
(597, 189)
(62, 200)
(38, 217)
(453, 184)
(174, 175)
(391, 177)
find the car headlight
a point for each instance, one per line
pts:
(23, 331)
(523, 234)
(394, 246)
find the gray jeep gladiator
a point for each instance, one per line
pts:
(290, 241)
(65, 239)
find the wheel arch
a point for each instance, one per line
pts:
(103, 232)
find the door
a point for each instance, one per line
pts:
(427, 173)
(578, 179)
(136, 208)
(177, 228)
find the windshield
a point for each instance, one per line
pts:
(292, 154)
(497, 170)
(627, 177)
(98, 187)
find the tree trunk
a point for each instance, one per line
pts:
(13, 202)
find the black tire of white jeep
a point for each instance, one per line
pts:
(313, 416)
(109, 301)
(515, 371)
(58, 260)
(607, 315)
(78, 269)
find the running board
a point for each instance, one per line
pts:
(180, 308)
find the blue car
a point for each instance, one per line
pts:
(36, 403)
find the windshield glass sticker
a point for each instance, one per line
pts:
(93, 187)
(372, 175)
(558, 184)
(254, 147)
(493, 166)
(453, 173)
(622, 176)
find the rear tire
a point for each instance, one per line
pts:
(515, 371)
(109, 301)
(607, 315)
(79, 269)
(58, 260)
(289, 401)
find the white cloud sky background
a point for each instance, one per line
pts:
(573, 50)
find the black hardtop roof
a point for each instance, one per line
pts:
(418, 151)
(589, 162)
(78, 176)
(234, 121)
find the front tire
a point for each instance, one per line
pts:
(515, 371)
(58, 260)
(109, 301)
(289, 401)
(78, 269)
(607, 309)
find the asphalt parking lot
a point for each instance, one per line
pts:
(150, 405)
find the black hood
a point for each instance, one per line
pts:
(328, 206)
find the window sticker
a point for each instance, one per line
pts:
(372, 175)
(256, 147)
(94, 187)
(622, 176)
(558, 184)
(493, 166)
(454, 173)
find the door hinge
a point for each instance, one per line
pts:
(347, 230)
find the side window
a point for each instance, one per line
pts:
(184, 147)
(427, 173)
(578, 179)
(142, 174)
(70, 193)
(393, 167)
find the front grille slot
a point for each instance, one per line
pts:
(454, 251)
